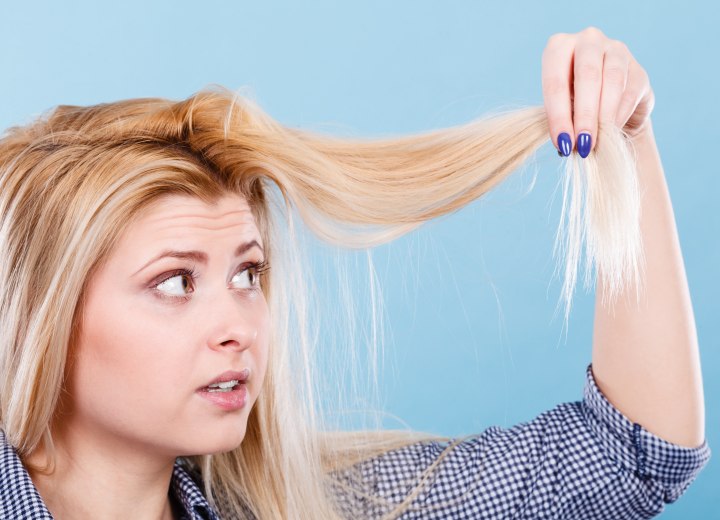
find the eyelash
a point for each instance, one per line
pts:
(258, 267)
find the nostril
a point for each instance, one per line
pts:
(236, 337)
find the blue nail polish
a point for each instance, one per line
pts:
(565, 144)
(583, 144)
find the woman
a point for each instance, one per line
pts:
(153, 367)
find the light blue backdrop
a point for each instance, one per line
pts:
(470, 296)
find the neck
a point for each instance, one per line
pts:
(97, 476)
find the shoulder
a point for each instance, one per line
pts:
(19, 498)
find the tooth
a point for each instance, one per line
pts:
(223, 390)
(225, 384)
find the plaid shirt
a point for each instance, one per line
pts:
(582, 460)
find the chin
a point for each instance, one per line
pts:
(223, 440)
(220, 438)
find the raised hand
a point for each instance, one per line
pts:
(589, 78)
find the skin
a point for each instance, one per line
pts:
(645, 357)
(131, 406)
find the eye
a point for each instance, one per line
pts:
(249, 277)
(177, 283)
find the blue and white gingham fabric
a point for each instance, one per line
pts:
(582, 460)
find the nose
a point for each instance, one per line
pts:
(234, 324)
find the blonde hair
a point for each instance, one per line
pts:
(72, 181)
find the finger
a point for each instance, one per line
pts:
(587, 81)
(637, 84)
(614, 82)
(556, 75)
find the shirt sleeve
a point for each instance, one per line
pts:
(579, 460)
(653, 471)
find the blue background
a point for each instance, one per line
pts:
(469, 299)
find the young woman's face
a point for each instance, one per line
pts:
(152, 335)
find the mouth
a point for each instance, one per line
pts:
(229, 390)
(227, 381)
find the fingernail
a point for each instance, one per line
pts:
(565, 144)
(583, 144)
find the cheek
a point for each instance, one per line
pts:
(262, 345)
(124, 363)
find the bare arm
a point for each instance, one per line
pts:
(645, 357)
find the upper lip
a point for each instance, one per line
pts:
(230, 375)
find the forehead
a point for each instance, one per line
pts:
(175, 216)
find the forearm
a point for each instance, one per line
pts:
(645, 356)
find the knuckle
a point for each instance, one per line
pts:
(593, 32)
(615, 75)
(586, 114)
(617, 45)
(588, 71)
(557, 39)
(634, 92)
(550, 55)
(626, 101)
(554, 85)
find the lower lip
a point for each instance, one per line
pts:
(233, 400)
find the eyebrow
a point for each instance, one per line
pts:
(199, 256)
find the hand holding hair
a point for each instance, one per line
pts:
(645, 352)
(589, 79)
